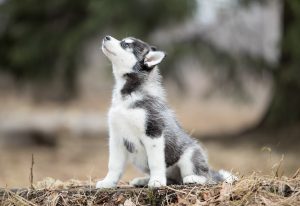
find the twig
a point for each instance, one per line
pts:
(170, 188)
(296, 174)
(31, 172)
(20, 199)
(190, 192)
(137, 199)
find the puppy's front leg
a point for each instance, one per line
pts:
(156, 160)
(116, 163)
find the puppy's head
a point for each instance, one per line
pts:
(131, 55)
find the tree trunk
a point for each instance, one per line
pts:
(284, 109)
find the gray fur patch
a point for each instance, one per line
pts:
(129, 146)
(216, 176)
(199, 163)
(133, 81)
(173, 149)
(171, 181)
(174, 176)
(176, 142)
(154, 119)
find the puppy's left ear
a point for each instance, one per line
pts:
(153, 58)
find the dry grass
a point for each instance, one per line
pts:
(250, 190)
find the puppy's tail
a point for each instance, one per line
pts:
(223, 176)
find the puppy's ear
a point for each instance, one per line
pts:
(153, 58)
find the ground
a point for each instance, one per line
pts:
(250, 190)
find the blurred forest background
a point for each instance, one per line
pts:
(232, 75)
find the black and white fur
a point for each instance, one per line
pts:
(142, 128)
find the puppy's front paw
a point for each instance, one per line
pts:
(105, 184)
(157, 182)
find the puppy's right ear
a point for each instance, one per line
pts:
(153, 58)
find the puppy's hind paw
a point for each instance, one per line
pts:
(194, 179)
(139, 181)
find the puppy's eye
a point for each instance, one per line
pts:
(125, 45)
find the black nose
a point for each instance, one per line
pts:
(107, 38)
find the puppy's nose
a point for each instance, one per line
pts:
(107, 38)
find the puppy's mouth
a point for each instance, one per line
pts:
(109, 50)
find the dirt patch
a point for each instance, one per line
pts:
(251, 190)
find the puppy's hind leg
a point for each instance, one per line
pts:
(193, 167)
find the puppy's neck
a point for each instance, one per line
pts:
(151, 85)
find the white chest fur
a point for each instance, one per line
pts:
(124, 118)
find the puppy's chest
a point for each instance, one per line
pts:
(127, 120)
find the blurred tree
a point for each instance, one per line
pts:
(284, 109)
(41, 40)
(285, 106)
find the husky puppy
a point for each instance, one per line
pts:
(142, 128)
